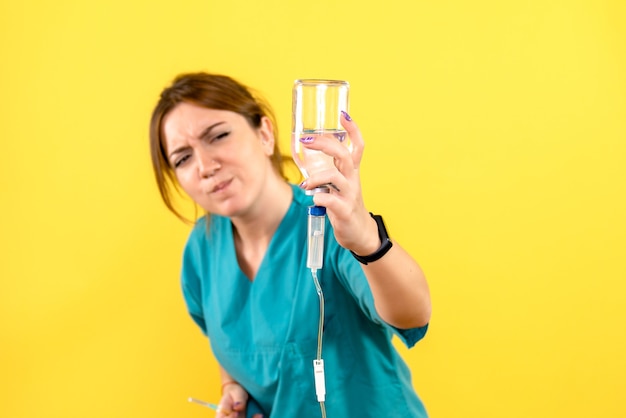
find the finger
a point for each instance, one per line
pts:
(238, 406)
(225, 407)
(355, 138)
(331, 178)
(335, 205)
(329, 145)
(223, 412)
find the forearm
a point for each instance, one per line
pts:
(400, 290)
(226, 378)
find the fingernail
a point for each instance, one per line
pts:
(237, 404)
(307, 139)
(303, 184)
(345, 115)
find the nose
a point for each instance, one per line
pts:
(207, 165)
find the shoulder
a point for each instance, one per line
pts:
(198, 233)
(206, 227)
(206, 230)
(203, 241)
(199, 227)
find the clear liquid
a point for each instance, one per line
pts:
(311, 161)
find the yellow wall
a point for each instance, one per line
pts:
(496, 137)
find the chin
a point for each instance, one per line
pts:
(228, 210)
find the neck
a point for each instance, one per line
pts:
(253, 233)
(256, 228)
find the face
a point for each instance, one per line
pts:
(219, 160)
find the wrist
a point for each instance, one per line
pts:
(228, 382)
(385, 243)
(370, 240)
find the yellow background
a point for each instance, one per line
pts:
(496, 150)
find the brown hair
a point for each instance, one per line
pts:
(214, 92)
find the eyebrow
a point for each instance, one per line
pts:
(202, 135)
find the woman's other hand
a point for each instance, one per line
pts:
(233, 402)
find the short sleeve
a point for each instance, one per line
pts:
(350, 273)
(190, 276)
(410, 336)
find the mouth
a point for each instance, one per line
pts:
(221, 186)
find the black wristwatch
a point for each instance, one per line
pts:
(385, 243)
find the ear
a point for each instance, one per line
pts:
(266, 133)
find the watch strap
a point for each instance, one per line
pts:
(385, 243)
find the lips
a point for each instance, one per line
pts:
(221, 186)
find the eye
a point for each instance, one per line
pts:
(180, 161)
(221, 136)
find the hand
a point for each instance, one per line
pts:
(233, 402)
(353, 226)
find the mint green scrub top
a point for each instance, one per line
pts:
(264, 332)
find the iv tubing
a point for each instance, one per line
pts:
(320, 330)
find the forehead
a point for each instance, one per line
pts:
(188, 121)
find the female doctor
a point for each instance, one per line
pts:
(244, 275)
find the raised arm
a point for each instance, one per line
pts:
(398, 284)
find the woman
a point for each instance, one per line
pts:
(244, 274)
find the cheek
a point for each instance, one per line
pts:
(184, 178)
(256, 155)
